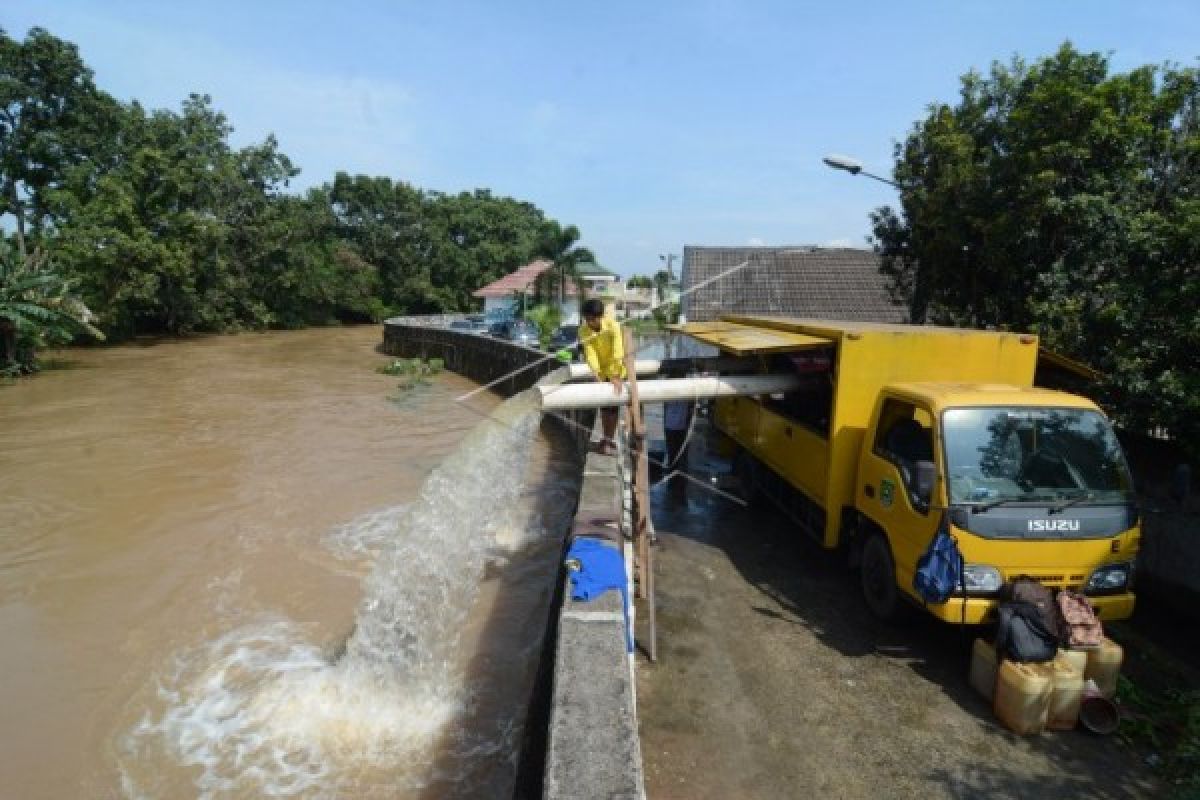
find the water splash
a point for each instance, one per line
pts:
(263, 711)
(414, 606)
(367, 535)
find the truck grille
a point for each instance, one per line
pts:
(1059, 581)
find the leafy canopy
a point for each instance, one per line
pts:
(164, 227)
(1059, 197)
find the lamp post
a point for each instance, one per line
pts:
(854, 167)
(917, 303)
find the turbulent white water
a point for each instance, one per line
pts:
(264, 711)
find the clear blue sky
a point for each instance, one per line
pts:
(648, 125)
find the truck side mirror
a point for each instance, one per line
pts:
(926, 475)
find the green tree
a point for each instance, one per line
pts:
(183, 233)
(561, 245)
(547, 316)
(380, 221)
(1059, 197)
(149, 244)
(37, 308)
(640, 282)
(303, 274)
(473, 238)
(164, 227)
(53, 122)
(662, 282)
(432, 250)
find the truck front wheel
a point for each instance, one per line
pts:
(879, 578)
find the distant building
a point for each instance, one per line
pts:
(512, 294)
(826, 283)
(637, 302)
(598, 281)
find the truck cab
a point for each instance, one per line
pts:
(1030, 481)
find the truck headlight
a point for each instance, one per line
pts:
(1109, 579)
(981, 579)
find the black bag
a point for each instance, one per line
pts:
(1022, 635)
(1027, 590)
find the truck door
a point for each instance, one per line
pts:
(887, 491)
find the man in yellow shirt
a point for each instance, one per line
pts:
(604, 348)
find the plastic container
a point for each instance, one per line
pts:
(1104, 665)
(1067, 682)
(983, 668)
(1078, 658)
(1023, 692)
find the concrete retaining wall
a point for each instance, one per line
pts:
(510, 368)
(581, 738)
(426, 320)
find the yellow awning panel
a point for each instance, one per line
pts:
(742, 340)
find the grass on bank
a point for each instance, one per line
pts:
(413, 372)
(1159, 698)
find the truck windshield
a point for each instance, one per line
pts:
(1046, 455)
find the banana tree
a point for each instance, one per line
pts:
(37, 308)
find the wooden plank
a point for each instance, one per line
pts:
(637, 437)
(641, 494)
(742, 339)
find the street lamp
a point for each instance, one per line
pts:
(855, 168)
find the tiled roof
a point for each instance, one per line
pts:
(590, 269)
(828, 283)
(519, 281)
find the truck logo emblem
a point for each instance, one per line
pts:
(887, 492)
(1048, 525)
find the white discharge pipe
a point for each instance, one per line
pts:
(564, 397)
(643, 367)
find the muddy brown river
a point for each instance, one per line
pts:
(242, 566)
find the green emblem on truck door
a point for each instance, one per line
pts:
(887, 491)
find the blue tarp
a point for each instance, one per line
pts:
(601, 567)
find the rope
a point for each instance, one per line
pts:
(669, 469)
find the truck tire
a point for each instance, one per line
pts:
(878, 576)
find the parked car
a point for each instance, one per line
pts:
(471, 324)
(518, 331)
(494, 317)
(567, 336)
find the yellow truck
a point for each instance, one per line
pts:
(893, 426)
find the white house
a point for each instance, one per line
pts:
(513, 293)
(598, 281)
